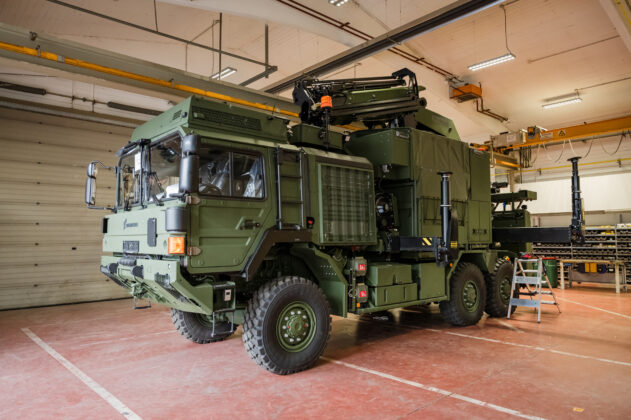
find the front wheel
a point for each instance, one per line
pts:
(467, 296)
(199, 327)
(287, 325)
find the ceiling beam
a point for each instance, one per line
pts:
(52, 52)
(440, 17)
(620, 15)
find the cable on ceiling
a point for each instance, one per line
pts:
(503, 6)
(622, 136)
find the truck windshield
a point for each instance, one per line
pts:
(159, 177)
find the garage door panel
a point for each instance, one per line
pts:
(12, 255)
(51, 174)
(49, 214)
(50, 243)
(33, 152)
(67, 293)
(67, 195)
(61, 136)
(32, 233)
(40, 274)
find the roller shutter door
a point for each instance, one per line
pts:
(50, 243)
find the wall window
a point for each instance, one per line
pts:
(230, 174)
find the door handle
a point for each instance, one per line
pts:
(249, 224)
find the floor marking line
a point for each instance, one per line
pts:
(565, 353)
(508, 343)
(91, 383)
(125, 338)
(595, 308)
(434, 389)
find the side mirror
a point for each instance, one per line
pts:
(90, 185)
(189, 164)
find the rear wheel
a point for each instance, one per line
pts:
(467, 296)
(498, 286)
(287, 325)
(199, 327)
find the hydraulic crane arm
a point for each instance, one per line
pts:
(371, 100)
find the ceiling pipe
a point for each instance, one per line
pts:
(348, 28)
(162, 34)
(443, 16)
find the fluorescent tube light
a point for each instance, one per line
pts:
(228, 71)
(338, 2)
(562, 103)
(493, 61)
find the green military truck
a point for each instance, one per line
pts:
(231, 216)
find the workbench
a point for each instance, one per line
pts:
(619, 268)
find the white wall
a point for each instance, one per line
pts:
(600, 193)
(605, 171)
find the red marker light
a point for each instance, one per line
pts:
(363, 293)
(361, 267)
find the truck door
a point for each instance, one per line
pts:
(234, 208)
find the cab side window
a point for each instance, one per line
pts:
(248, 176)
(230, 174)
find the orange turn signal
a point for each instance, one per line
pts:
(326, 102)
(176, 245)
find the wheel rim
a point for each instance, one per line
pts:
(296, 326)
(470, 294)
(505, 286)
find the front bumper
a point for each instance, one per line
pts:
(160, 281)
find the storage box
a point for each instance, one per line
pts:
(385, 274)
(388, 295)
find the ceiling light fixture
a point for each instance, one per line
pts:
(338, 2)
(568, 101)
(493, 61)
(497, 60)
(228, 71)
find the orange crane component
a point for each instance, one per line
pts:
(576, 132)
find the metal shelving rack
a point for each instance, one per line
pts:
(601, 243)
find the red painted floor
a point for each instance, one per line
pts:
(408, 365)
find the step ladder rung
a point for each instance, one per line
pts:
(291, 201)
(526, 280)
(290, 176)
(527, 261)
(525, 302)
(530, 271)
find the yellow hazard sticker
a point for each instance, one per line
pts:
(427, 241)
(454, 244)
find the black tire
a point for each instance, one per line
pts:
(198, 327)
(267, 318)
(498, 285)
(467, 296)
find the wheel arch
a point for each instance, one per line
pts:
(484, 260)
(326, 274)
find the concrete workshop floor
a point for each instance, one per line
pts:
(100, 359)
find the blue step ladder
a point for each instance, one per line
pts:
(534, 280)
